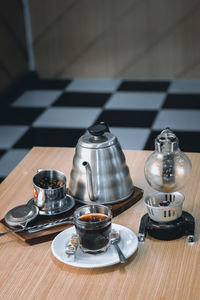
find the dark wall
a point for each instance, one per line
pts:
(115, 38)
(13, 56)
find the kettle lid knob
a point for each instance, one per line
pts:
(99, 129)
(97, 136)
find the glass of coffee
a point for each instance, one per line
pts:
(93, 226)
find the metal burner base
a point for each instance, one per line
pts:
(183, 226)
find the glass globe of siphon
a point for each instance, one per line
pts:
(167, 169)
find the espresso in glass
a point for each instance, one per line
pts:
(93, 225)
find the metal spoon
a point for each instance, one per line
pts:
(115, 237)
(36, 228)
(23, 227)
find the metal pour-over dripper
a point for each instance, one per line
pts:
(166, 170)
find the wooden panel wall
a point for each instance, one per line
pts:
(115, 38)
(13, 56)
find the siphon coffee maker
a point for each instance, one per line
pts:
(166, 170)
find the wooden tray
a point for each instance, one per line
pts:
(49, 234)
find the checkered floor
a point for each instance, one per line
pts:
(57, 112)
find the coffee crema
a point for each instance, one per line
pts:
(92, 217)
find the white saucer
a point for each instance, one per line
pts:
(128, 244)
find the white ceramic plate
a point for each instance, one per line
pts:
(128, 244)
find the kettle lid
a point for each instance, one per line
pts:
(97, 136)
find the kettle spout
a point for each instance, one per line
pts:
(90, 185)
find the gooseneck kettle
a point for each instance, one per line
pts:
(99, 173)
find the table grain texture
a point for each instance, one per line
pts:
(159, 270)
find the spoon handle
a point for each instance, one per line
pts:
(121, 255)
(11, 231)
(41, 227)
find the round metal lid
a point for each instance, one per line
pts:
(21, 214)
(96, 142)
(98, 136)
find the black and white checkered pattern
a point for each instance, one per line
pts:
(56, 112)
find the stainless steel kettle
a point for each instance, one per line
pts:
(99, 172)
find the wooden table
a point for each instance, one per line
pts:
(159, 269)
